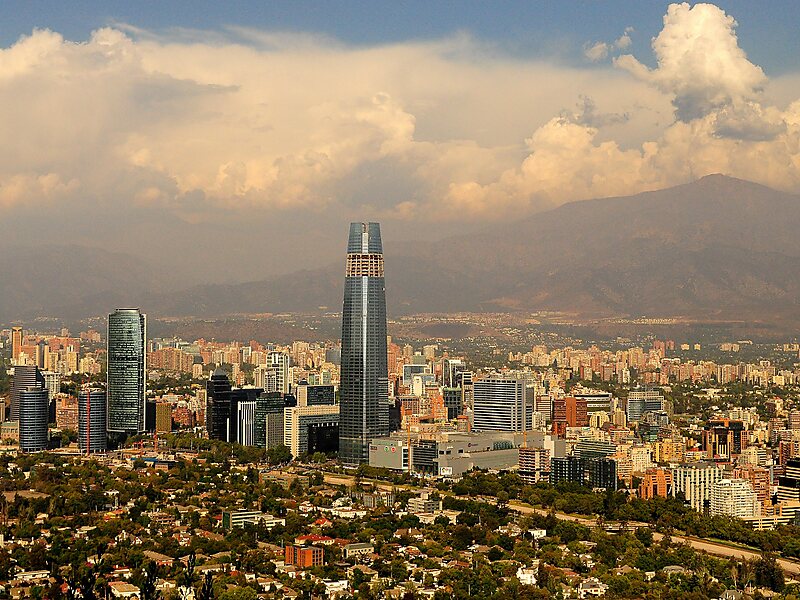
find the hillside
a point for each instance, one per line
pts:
(717, 248)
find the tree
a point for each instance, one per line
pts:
(768, 573)
(148, 590)
(207, 589)
(239, 593)
(279, 455)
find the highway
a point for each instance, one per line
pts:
(790, 567)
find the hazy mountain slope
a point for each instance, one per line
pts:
(715, 248)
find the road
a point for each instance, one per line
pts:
(714, 548)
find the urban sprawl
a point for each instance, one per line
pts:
(370, 467)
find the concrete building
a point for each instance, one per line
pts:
(311, 428)
(450, 454)
(304, 557)
(695, 482)
(596, 400)
(734, 498)
(239, 518)
(656, 483)
(502, 404)
(423, 504)
(534, 465)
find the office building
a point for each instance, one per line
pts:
(723, 439)
(570, 411)
(452, 370)
(311, 428)
(602, 473)
(125, 389)
(163, 417)
(246, 426)
(566, 469)
(314, 395)
(502, 404)
(25, 377)
(734, 498)
(218, 402)
(233, 519)
(453, 401)
(596, 400)
(268, 429)
(92, 421)
(33, 409)
(789, 482)
(642, 401)
(223, 417)
(450, 454)
(364, 380)
(16, 344)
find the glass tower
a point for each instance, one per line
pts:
(33, 409)
(92, 421)
(127, 332)
(364, 387)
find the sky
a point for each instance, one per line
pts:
(236, 140)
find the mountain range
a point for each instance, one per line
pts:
(718, 248)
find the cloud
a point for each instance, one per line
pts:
(596, 52)
(251, 128)
(722, 124)
(599, 51)
(700, 62)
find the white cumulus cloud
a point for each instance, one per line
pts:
(254, 125)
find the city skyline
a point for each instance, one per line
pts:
(581, 378)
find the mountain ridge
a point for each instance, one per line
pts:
(718, 247)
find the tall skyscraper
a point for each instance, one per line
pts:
(33, 405)
(16, 343)
(218, 405)
(127, 335)
(25, 376)
(92, 421)
(364, 381)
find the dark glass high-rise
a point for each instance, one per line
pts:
(127, 334)
(364, 388)
(33, 405)
(25, 376)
